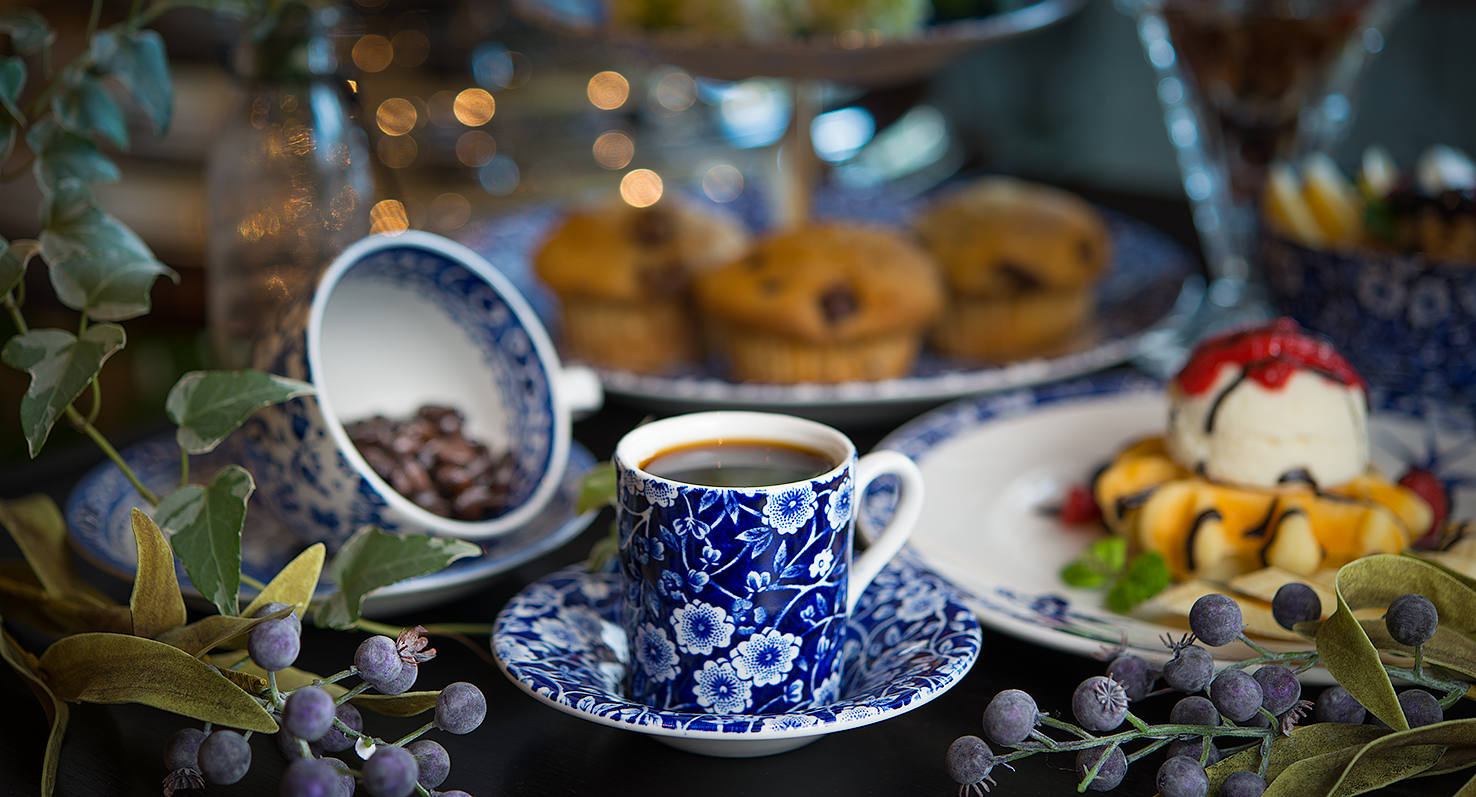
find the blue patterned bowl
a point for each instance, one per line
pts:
(1407, 323)
(398, 322)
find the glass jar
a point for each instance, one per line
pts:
(288, 180)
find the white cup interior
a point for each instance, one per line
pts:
(645, 442)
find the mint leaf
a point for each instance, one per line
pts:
(1080, 574)
(1098, 564)
(596, 488)
(1147, 576)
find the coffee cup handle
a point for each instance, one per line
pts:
(904, 517)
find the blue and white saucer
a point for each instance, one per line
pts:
(909, 640)
(99, 508)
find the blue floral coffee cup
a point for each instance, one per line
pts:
(736, 558)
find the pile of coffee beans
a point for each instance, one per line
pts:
(430, 461)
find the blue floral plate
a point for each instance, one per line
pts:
(995, 464)
(909, 640)
(99, 508)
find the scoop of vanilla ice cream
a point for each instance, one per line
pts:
(1242, 432)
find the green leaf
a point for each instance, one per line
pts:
(84, 107)
(14, 257)
(1102, 561)
(596, 488)
(206, 523)
(57, 713)
(138, 59)
(208, 405)
(98, 265)
(371, 559)
(61, 366)
(28, 30)
(1147, 576)
(12, 80)
(61, 154)
(117, 668)
(156, 602)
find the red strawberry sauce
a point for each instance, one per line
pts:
(1269, 355)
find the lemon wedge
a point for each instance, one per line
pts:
(1287, 210)
(1332, 199)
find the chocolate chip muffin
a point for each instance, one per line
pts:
(623, 276)
(828, 303)
(1020, 261)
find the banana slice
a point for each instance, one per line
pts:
(1332, 199)
(1379, 174)
(1285, 207)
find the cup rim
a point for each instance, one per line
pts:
(548, 361)
(695, 428)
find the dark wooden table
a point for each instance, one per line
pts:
(527, 748)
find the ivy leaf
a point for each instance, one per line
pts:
(156, 602)
(371, 559)
(57, 713)
(12, 80)
(98, 265)
(206, 523)
(61, 154)
(14, 257)
(118, 668)
(84, 107)
(28, 30)
(596, 488)
(61, 366)
(208, 405)
(138, 59)
(1147, 576)
(1102, 561)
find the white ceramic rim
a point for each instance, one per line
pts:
(644, 442)
(547, 356)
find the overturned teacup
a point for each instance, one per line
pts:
(426, 336)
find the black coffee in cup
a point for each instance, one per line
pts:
(738, 463)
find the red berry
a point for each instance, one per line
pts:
(1079, 507)
(1429, 487)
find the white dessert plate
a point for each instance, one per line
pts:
(993, 463)
(1145, 288)
(909, 640)
(99, 508)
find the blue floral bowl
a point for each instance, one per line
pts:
(398, 322)
(1407, 323)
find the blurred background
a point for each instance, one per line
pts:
(470, 112)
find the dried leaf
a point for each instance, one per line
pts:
(117, 668)
(252, 684)
(36, 525)
(206, 526)
(371, 559)
(294, 584)
(23, 600)
(211, 632)
(157, 603)
(57, 713)
(407, 704)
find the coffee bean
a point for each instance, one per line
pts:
(427, 459)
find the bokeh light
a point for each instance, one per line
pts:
(388, 217)
(475, 148)
(474, 107)
(373, 53)
(614, 150)
(396, 152)
(396, 116)
(495, 66)
(411, 48)
(450, 211)
(608, 90)
(677, 91)
(722, 183)
(640, 188)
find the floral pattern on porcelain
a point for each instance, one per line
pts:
(561, 640)
(737, 595)
(302, 476)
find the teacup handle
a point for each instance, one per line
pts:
(904, 517)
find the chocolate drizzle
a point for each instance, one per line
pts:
(1209, 418)
(1133, 501)
(1259, 530)
(1298, 476)
(1202, 518)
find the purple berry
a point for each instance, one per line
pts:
(1195, 749)
(277, 606)
(970, 761)
(1335, 704)
(378, 660)
(1420, 708)
(1010, 717)
(1295, 603)
(1195, 710)
(1411, 619)
(1215, 619)
(432, 760)
(181, 749)
(1236, 694)
(1100, 704)
(335, 740)
(401, 684)
(290, 748)
(311, 777)
(1280, 689)
(225, 757)
(274, 644)
(390, 772)
(1111, 773)
(1182, 776)
(1244, 783)
(1190, 670)
(308, 713)
(460, 708)
(1133, 673)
